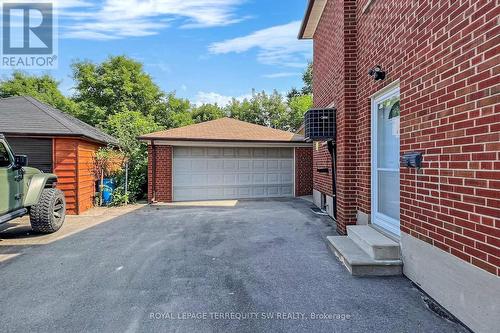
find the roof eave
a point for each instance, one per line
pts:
(59, 135)
(311, 19)
(149, 138)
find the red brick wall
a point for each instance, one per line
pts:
(445, 56)
(335, 84)
(163, 162)
(303, 171)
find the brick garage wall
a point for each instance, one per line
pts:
(303, 171)
(335, 84)
(445, 56)
(163, 162)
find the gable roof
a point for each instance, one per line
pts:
(28, 116)
(225, 129)
(311, 19)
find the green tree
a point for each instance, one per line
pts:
(116, 85)
(207, 112)
(307, 78)
(126, 127)
(44, 88)
(261, 109)
(176, 112)
(298, 106)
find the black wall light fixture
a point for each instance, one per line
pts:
(377, 73)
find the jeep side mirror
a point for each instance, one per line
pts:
(21, 161)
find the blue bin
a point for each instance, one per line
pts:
(107, 191)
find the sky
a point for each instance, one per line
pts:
(205, 50)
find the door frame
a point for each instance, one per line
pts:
(380, 220)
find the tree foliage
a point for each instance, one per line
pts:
(119, 84)
(126, 127)
(44, 88)
(207, 112)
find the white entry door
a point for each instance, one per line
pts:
(385, 160)
(214, 173)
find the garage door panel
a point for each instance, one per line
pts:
(230, 179)
(229, 152)
(230, 165)
(198, 152)
(260, 191)
(286, 178)
(244, 152)
(273, 191)
(199, 165)
(274, 178)
(216, 180)
(286, 153)
(286, 165)
(182, 166)
(214, 152)
(215, 165)
(273, 165)
(183, 180)
(245, 179)
(182, 152)
(215, 193)
(230, 192)
(201, 180)
(244, 192)
(244, 165)
(259, 165)
(259, 152)
(212, 173)
(259, 178)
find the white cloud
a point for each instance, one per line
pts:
(112, 19)
(276, 45)
(215, 98)
(280, 75)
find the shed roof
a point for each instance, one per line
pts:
(28, 116)
(225, 129)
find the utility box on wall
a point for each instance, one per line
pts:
(320, 124)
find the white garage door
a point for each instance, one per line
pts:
(232, 173)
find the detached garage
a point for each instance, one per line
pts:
(55, 142)
(227, 159)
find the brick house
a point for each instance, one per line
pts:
(55, 142)
(439, 98)
(227, 159)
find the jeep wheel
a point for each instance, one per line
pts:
(48, 215)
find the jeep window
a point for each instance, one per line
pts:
(4, 156)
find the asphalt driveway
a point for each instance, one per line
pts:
(260, 266)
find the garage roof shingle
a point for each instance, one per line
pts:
(225, 129)
(27, 116)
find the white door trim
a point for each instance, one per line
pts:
(387, 223)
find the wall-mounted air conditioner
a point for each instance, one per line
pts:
(320, 124)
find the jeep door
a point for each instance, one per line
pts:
(10, 182)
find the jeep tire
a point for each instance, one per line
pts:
(48, 215)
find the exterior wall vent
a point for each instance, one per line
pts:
(320, 124)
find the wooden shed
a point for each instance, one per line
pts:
(55, 142)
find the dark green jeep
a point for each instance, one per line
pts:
(25, 190)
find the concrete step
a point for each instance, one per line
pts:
(358, 262)
(378, 246)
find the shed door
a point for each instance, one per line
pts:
(39, 151)
(202, 173)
